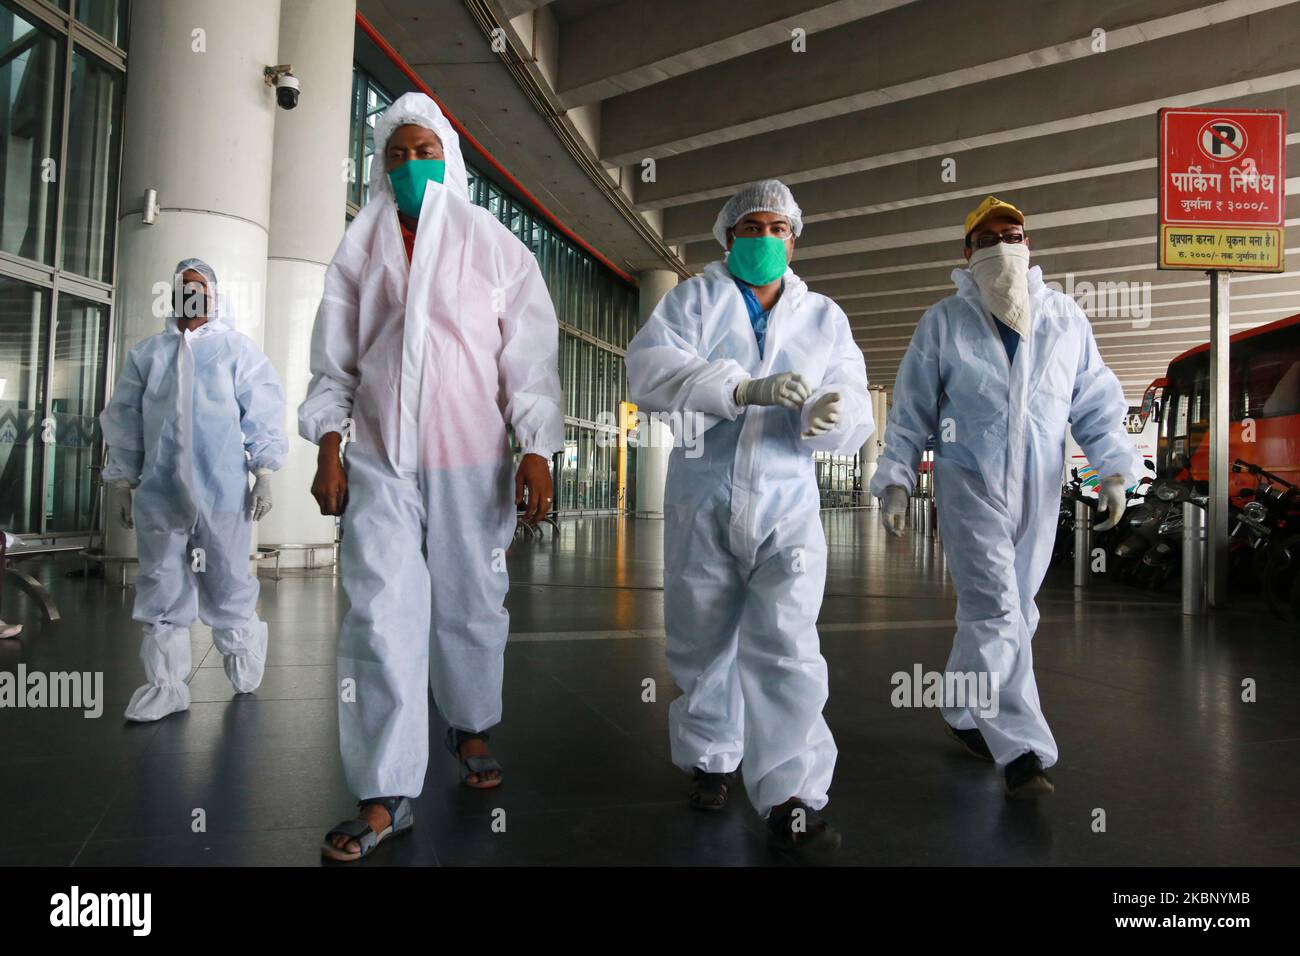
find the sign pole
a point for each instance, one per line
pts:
(1217, 552)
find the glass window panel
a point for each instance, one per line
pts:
(575, 294)
(105, 17)
(356, 139)
(23, 348)
(90, 188)
(76, 387)
(569, 470)
(586, 445)
(589, 303)
(593, 381)
(601, 495)
(570, 372)
(377, 100)
(603, 388)
(31, 99)
(368, 102)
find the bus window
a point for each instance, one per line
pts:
(1180, 419)
(1272, 388)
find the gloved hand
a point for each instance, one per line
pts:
(893, 510)
(125, 514)
(261, 494)
(1110, 498)
(785, 388)
(823, 415)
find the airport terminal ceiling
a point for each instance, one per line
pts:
(890, 119)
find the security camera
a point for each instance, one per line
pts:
(286, 92)
(286, 86)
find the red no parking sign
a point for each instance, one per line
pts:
(1222, 189)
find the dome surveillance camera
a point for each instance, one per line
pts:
(287, 91)
(286, 84)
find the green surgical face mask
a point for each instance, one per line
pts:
(410, 178)
(757, 260)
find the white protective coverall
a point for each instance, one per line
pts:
(744, 550)
(192, 415)
(998, 462)
(429, 363)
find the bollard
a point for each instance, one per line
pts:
(1194, 526)
(1082, 543)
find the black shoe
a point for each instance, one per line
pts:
(709, 791)
(971, 739)
(801, 833)
(1026, 779)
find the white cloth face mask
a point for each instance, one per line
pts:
(1002, 273)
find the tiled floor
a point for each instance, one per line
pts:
(1145, 704)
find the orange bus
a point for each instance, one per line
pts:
(1263, 407)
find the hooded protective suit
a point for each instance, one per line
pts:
(998, 462)
(428, 364)
(744, 550)
(193, 413)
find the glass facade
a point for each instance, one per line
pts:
(369, 100)
(838, 480)
(61, 82)
(597, 312)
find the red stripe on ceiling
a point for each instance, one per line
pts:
(461, 131)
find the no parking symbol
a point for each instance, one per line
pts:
(1222, 140)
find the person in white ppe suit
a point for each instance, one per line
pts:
(771, 372)
(435, 332)
(995, 373)
(196, 410)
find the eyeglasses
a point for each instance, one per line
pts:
(987, 241)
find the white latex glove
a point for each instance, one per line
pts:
(893, 510)
(823, 415)
(785, 388)
(261, 494)
(1110, 499)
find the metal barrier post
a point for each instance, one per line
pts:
(1082, 543)
(1194, 537)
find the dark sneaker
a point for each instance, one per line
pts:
(709, 791)
(801, 832)
(1026, 779)
(971, 739)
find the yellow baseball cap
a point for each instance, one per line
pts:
(990, 206)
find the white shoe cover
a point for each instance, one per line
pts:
(156, 701)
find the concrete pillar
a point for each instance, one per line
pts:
(652, 457)
(198, 126)
(874, 445)
(308, 197)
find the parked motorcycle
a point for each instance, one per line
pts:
(1160, 538)
(1267, 527)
